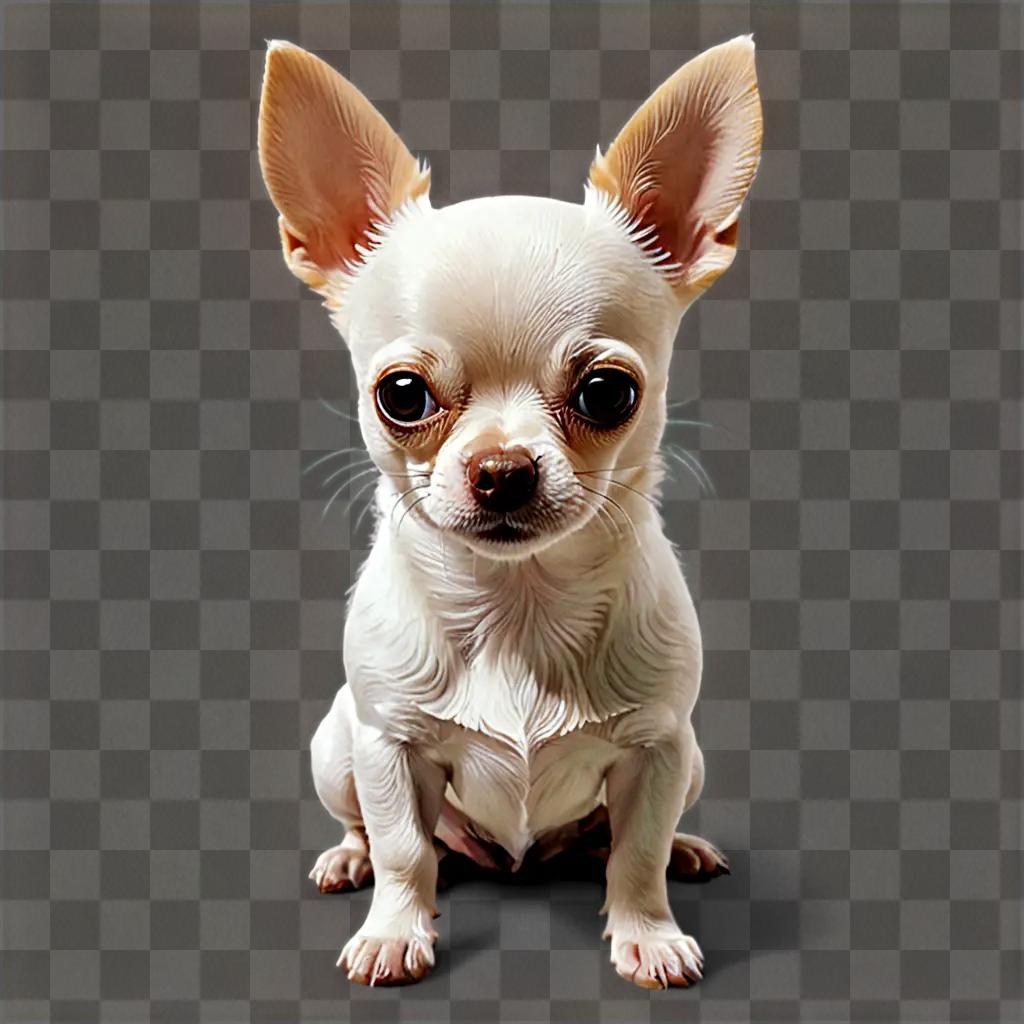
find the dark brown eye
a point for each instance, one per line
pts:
(405, 397)
(606, 397)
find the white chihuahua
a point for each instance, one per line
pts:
(522, 652)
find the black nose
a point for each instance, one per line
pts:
(502, 479)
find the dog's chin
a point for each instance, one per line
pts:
(512, 542)
(507, 543)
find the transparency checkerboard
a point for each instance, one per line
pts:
(173, 597)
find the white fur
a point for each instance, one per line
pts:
(499, 691)
(525, 681)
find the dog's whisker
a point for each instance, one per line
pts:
(683, 456)
(685, 402)
(362, 515)
(330, 455)
(617, 469)
(398, 500)
(362, 490)
(701, 425)
(364, 466)
(691, 463)
(366, 508)
(603, 517)
(354, 500)
(639, 493)
(409, 508)
(337, 412)
(699, 467)
(693, 423)
(625, 515)
(355, 469)
(703, 479)
(619, 483)
(346, 451)
(348, 483)
(330, 502)
(686, 465)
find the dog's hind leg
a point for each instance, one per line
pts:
(347, 865)
(694, 859)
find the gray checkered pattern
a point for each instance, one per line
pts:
(172, 599)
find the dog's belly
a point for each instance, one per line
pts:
(514, 794)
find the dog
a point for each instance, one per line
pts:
(522, 655)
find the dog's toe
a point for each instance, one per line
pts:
(658, 961)
(385, 961)
(342, 867)
(695, 859)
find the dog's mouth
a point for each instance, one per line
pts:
(504, 533)
(514, 533)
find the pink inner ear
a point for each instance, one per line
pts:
(682, 165)
(333, 241)
(331, 162)
(676, 233)
(691, 164)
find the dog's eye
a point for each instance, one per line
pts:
(606, 397)
(404, 397)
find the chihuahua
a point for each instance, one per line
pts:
(521, 651)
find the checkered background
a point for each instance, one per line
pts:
(173, 600)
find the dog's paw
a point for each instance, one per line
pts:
(657, 959)
(345, 866)
(372, 960)
(695, 859)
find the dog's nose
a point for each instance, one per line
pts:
(502, 479)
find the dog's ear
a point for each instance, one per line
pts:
(684, 162)
(332, 164)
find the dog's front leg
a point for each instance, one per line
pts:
(400, 795)
(646, 789)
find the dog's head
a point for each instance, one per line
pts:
(511, 352)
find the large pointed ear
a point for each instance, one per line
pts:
(684, 162)
(334, 168)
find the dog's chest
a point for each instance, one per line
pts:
(522, 758)
(528, 666)
(514, 793)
